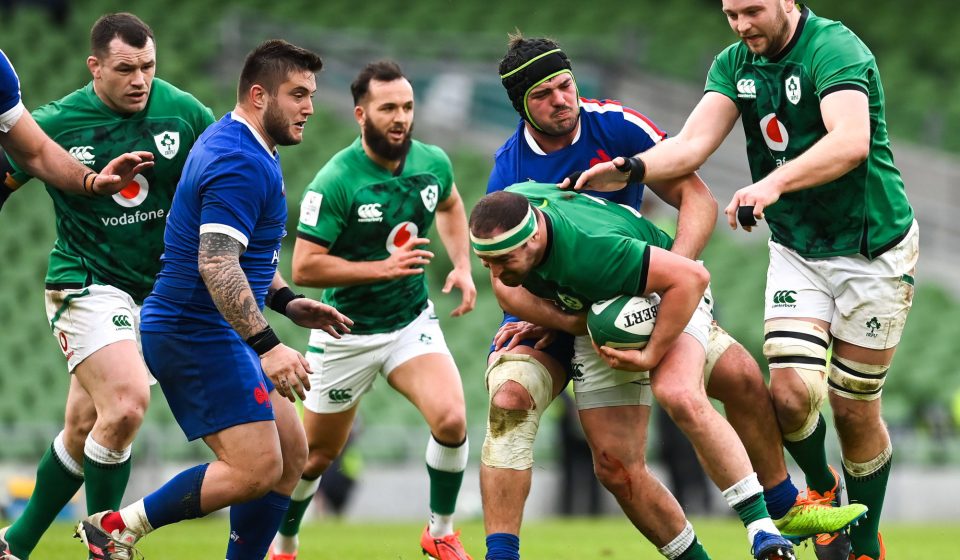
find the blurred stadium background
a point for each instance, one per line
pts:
(652, 55)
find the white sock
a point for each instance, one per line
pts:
(765, 524)
(135, 518)
(440, 525)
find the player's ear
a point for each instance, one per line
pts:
(93, 64)
(359, 114)
(257, 96)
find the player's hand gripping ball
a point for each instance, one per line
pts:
(624, 321)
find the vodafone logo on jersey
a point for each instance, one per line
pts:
(133, 194)
(400, 234)
(774, 133)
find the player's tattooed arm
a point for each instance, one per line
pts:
(219, 264)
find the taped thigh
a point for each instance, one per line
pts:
(857, 381)
(510, 433)
(802, 346)
(718, 343)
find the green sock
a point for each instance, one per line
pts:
(444, 488)
(105, 484)
(869, 491)
(694, 552)
(752, 509)
(294, 516)
(811, 457)
(56, 486)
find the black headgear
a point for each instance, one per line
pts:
(540, 63)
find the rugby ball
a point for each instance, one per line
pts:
(623, 321)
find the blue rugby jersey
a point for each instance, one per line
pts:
(10, 106)
(607, 130)
(233, 185)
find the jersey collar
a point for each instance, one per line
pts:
(236, 117)
(536, 147)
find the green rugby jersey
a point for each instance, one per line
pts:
(117, 240)
(596, 249)
(864, 211)
(363, 212)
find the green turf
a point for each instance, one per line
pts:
(606, 538)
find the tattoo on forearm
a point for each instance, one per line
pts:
(219, 264)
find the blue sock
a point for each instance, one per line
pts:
(176, 500)
(780, 498)
(253, 525)
(503, 546)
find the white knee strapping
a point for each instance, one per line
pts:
(853, 380)
(718, 343)
(510, 433)
(802, 346)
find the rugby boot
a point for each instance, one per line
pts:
(107, 545)
(274, 555)
(883, 552)
(767, 546)
(5, 553)
(443, 548)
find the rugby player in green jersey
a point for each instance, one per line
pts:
(573, 250)
(363, 225)
(103, 264)
(844, 242)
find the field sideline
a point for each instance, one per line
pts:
(607, 538)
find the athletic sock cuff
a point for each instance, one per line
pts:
(103, 455)
(445, 458)
(305, 489)
(871, 468)
(64, 459)
(673, 549)
(743, 490)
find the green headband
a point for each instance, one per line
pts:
(503, 243)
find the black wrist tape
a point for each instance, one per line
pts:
(279, 300)
(263, 341)
(635, 167)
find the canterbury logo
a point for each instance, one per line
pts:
(122, 322)
(83, 154)
(746, 89)
(370, 213)
(340, 395)
(784, 297)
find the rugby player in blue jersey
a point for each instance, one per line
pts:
(225, 373)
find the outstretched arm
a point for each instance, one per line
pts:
(28, 145)
(452, 227)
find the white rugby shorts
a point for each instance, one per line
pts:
(344, 369)
(866, 302)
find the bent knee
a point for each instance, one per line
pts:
(512, 396)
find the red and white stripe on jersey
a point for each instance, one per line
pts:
(629, 115)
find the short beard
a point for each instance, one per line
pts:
(276, 126)
(552, 130)
(382, 146)
(779, 41)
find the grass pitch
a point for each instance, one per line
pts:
(608, 538)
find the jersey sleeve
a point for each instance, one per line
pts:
(722, 75)
(840, 61)
(323, 210)
(232, 195)
(496, 182)
(11, 106)
(443, 169)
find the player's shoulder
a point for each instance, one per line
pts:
(510, 148)
(428, 152)
(62, 113)
(166, 97)
(335, 173)
(832, 34)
